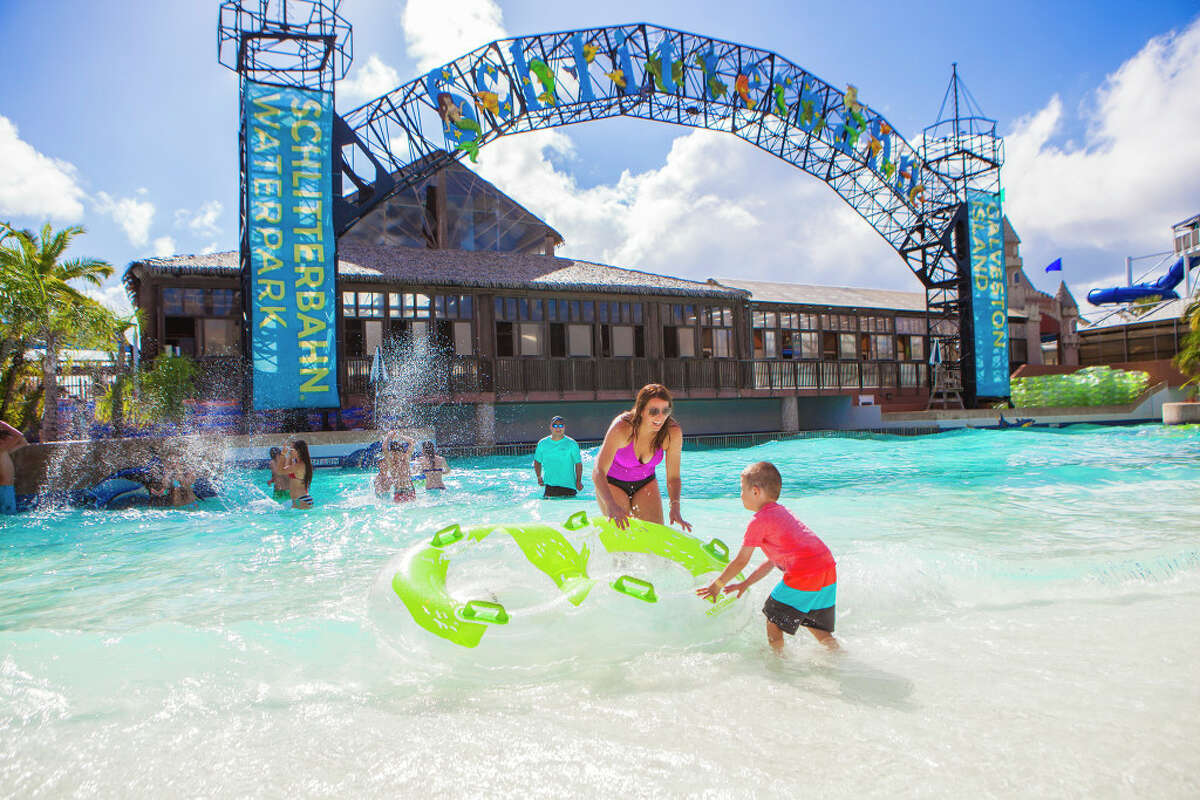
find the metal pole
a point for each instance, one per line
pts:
(1129, 270)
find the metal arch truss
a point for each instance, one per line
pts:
(300, 43)
(644, 71)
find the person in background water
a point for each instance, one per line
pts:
(399, 467)
(807, 595)
(556, 462)
(624, 472)
(433, 465)
(299, 472)
(10, 440)
(173, 482)
(279, 478)
(383, 478)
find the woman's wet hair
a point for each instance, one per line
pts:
(651, 391)
(301, 448)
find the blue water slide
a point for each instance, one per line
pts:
(1163, 288)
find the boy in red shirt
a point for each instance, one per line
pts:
(808, 591)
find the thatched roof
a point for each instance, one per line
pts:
(460, 269)
(832, 296)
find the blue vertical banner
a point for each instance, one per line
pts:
(292, 249)
(989, 294)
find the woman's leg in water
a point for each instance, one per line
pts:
(647, 503)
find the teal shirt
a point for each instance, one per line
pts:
(558, 460)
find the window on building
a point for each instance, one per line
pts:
(579, 341)
(362, 305)
(221, 337)
(464, 342)
(808, 345)
(829, 346)
(505, 341)
(531, 339)
(847, 346)
(180, 333)
(557, 340)
(883, 347)
(716, 332)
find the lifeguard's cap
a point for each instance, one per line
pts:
(557, 419)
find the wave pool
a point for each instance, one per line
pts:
(1018, 611)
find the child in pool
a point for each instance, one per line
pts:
(433, 465)
(10, 440)
(172, 485)
(299, 472)
(397, 453)
(807, 593)
(279, 479)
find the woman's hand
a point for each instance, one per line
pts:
(710, 592)
(677, 519)
(619, 516)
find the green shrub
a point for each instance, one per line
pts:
(1091, 386)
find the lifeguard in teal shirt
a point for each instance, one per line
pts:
(556, 462)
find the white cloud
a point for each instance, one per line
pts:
(33, 184)
(111, 294)
(164, 246)
(371, 80)
(133, 214)
(436, 33)
(211, 247)
(717, 207)
(203, 222)
(1134, 171)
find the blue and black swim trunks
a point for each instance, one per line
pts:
(806, 600)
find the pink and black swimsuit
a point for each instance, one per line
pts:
(629, 474)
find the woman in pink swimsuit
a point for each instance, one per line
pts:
(635, 443)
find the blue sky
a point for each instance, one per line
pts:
(127, 124)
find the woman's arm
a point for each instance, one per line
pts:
(617, 432)
(674, 481)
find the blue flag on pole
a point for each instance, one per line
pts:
(1055, 266)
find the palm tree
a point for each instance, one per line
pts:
(120, 328)
(1188, 359)
(37, 286)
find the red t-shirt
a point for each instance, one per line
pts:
(787, 542)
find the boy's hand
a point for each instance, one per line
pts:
(740, 587)
(710, 592)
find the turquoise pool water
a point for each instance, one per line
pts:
(1019, 611)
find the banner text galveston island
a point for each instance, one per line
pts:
(989, 294)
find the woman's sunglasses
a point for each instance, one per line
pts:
(659, 412)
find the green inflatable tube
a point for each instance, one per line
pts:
(420, 583)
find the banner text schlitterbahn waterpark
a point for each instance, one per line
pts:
(292, 246)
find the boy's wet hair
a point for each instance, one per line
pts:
(273, 453)
(764, 475)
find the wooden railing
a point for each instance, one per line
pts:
(517, 376)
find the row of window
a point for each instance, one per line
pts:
(799, 321)
(406, 305)
(829, 346)
(689, 330)
(179, 302)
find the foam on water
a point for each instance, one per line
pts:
(1018, 610)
